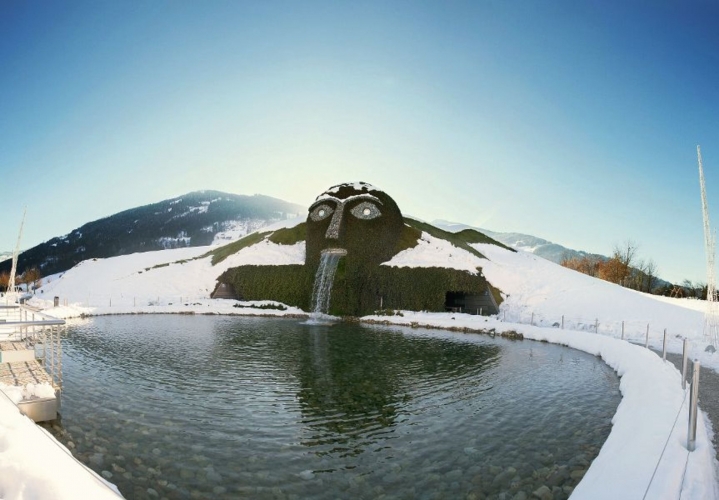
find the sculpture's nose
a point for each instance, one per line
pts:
(333, 231)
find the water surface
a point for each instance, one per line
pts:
(227, 407)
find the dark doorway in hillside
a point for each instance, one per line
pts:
(224, 291)
(471, 303)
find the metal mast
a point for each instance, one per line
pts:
(11, 283)
(711, 323)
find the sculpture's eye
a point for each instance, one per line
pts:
(366, 211)
(321, 212)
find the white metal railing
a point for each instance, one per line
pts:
(20, 322)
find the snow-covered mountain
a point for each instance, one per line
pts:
(528, 243)
(196, 219)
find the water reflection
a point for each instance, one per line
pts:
(355, 387)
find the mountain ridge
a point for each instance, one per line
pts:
(194, 219)
(546, 249)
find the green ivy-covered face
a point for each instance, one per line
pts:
(355, 217)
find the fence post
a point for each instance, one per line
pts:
(596, 325)
(646, 344)
(532, 322)
(685, 363)
(622, 330)
(692, 437)
(562, 321)
(664, 348)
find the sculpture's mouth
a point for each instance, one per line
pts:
(334, 251)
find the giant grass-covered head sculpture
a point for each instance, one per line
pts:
(356, 218)
(366, 228)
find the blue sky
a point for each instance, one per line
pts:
(573, 121)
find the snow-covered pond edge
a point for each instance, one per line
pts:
(645, 452)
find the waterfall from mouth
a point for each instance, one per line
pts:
(325, 276)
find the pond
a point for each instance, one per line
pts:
(169, 406)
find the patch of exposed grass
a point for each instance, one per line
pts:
(474, 236)
(289, 235)
(408, 239)
(278, 307)
(220, 254)
(444, 235)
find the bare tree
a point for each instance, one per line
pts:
(588, 264)
(618, 269)
(651, 271)
(32, 277)
(626, 254)
(624, 268)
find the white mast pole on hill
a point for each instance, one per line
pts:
(11, 282)
(711, 323)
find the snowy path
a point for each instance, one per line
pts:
(708, 391)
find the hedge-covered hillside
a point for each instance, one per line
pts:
(291, 285)
(355, 293)
(360, 287)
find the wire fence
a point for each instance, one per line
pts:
(634, 330)
(123, 301)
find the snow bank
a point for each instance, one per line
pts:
(33, 465)
(28, 391)
(541, 292)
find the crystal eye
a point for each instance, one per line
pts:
(366, 211)
(321, 212)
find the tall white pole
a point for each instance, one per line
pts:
(711, 324)
(13, 270)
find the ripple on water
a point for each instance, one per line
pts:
(184, 407)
